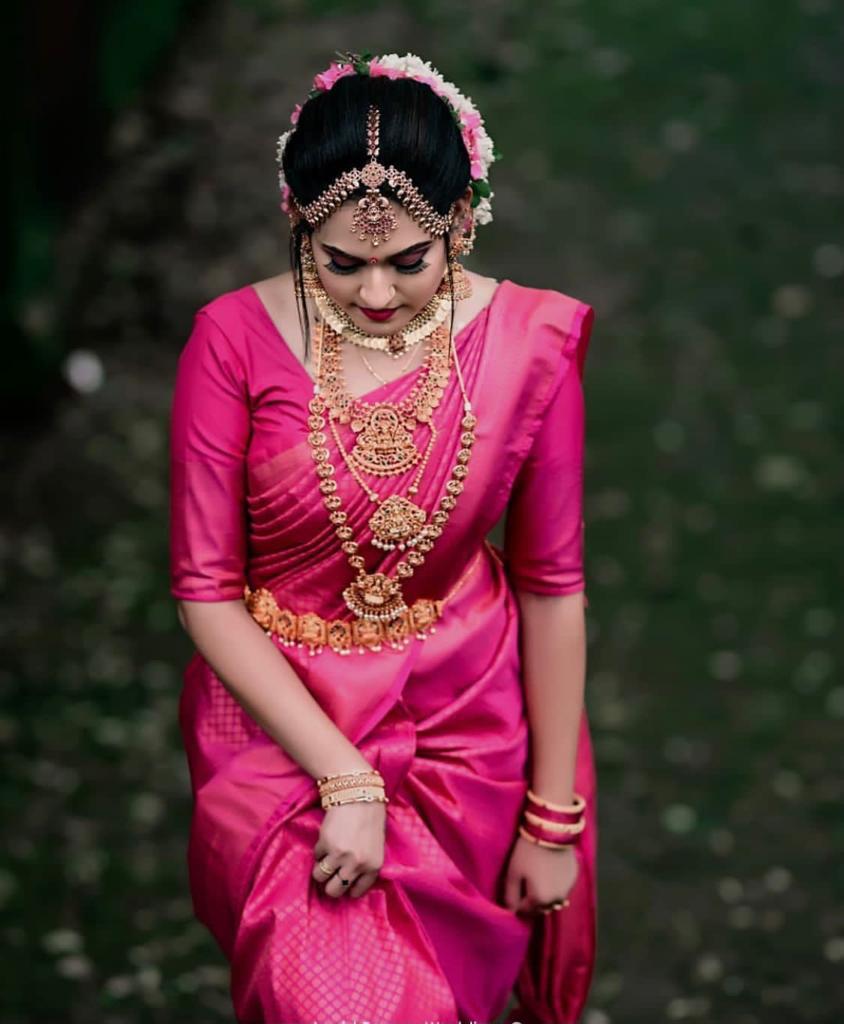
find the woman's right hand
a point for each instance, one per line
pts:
(351, 843)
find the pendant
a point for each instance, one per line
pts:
(384, 446)
(374, 595)
(373, 217)
(397, 523)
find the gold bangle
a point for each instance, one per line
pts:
(578, 805)
(555, 826)
(357, 796)
(370, 779)
(351, 785)
(543, 842)
(343, 775)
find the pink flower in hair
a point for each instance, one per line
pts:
(326, 79)
(432, 82)
(294, 117)
(377, 70)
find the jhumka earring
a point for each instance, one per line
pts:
(463, 244)
(311, 284)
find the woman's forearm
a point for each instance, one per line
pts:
(266, 685)
(554, 670)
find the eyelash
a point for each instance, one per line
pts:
(412, 268)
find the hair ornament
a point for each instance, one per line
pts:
(479, 145)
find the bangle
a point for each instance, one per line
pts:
(543, 842)
(573, 808)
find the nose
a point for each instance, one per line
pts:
(376, 290)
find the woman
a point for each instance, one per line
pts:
(391, 765)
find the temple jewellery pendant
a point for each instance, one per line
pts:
(398, 522)
(384, 443)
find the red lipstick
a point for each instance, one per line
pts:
(377, 314)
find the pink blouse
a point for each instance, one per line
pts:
(239, 409)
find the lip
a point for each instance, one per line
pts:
(378, 314)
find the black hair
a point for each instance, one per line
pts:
(418, 134)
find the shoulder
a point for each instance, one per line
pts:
(226, 311)
(548, 305)
(552, 322)
(231, 321)
(215, 343)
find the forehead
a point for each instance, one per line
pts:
(337, 232)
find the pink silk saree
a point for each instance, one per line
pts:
(444, 720)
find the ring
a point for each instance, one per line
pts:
(325, 870)
(546, 908)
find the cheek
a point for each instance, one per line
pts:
(338, 287)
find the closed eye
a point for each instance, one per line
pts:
(349, 268)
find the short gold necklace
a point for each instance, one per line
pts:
(432, 314)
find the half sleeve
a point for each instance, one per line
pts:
(544, 528)
(209, 434)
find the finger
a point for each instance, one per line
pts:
(513, 891)
(530, 902)
(320, 875)
(335, 886)
(363, 884)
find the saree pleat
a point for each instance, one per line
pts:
(443, 720)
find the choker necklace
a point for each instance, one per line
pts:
(432, 314)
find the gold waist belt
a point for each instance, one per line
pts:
(311, 630)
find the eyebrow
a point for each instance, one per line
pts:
(404, 252)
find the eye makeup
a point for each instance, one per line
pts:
(403, 268)
(341, 263)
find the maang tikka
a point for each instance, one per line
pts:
(373, 217)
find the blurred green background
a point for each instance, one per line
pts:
(676, 165)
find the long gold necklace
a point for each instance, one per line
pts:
(378, 596)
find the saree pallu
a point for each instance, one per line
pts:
(444, 720)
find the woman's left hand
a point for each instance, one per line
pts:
(537, 875)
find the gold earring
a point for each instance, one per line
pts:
(467, 239)
(462, 285)
(311, 284)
